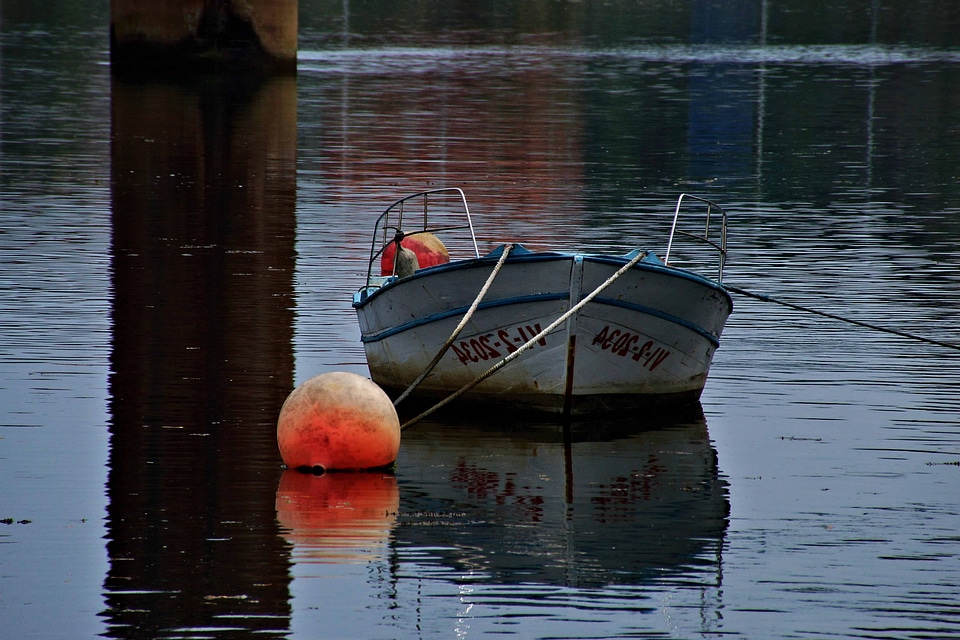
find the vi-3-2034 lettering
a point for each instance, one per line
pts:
(490, 346)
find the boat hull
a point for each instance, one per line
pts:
(647, 339)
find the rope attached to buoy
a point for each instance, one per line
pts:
(529, 343)
(867, 325)
(456, 332)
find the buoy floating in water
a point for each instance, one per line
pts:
(338, 421)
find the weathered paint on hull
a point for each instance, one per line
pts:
(647, 339)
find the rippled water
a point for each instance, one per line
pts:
(177, 256)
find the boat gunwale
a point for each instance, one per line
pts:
(542, 297)
(545, 297)
(660, 267)
(538, 256)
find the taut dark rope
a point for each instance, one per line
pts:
(867, 325)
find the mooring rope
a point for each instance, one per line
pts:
(867, 325)
(456, 332)
(516, 354)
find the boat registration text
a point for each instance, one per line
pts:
(625, 344)
(493, 345)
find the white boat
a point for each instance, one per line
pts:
(560, 332)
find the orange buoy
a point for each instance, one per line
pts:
(338, 420)
(428, 248)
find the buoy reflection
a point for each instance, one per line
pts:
(337, 517)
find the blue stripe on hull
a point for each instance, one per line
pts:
(487, 261)
(459, 312)
(639, 308)
(674, 272)
(546, 297)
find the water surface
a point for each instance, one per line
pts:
(177, 256)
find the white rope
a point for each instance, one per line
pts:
(516, 354)
(456, 332)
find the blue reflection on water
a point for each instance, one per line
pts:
(836, 447)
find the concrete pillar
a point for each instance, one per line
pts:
(177, 35)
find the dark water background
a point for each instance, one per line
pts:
(176, 256)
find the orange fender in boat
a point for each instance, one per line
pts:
(428, 247)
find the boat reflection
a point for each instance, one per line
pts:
(618, 502)
(337, 517)
(574, 523)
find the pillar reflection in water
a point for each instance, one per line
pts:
(204, 190)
